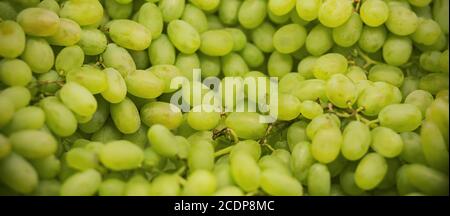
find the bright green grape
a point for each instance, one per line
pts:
(246, 125)
(370, 171)
(121, 155)
(162, 140)
(117, 88)
(38, 22)
(349, 33)
(341, 91)
(15, 72)
(144, 84)
(386, 73)
(289, 38)
(330, 64)
(201, 156)
(68, 33)
(252, 13)
(400, 117)
(372, 38)
(277, 184)
(326, 144)
(401, 21)
(356, 140)
(90, 77)
(319, 180)
(125, 116)
(183, 36)
(216, 43)
(374, 12)
(78, 99)
(319, 40)
(333, 13)
(386, 142)
(84, 183)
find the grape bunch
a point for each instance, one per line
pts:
(85, 97)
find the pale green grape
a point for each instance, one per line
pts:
(370, 171)
(144, 84)
(162, 140)
(356, 140)
(161, 51)
(252, 13)
(430, 61)
(18, 174)
(245, 172)
(308, 10)
(427, 180)
(58, 117)
(401, 21)
(341, 91)
(319, 180)
(289, 38)
(374, 12)
(349, 33)
(92, 41)
(183, 36)
(12, 40)
(386, 142)
(386, 73)
(116, 10)
(310, 109)
(15, 72)
(38, 22)
(38, 55)
(165, 185)
(305, 67)
(111, 187)
(397, 50)
(372, 38)
(121, 155)
(68, 33)
(78, 99)
(84, 183)
(200, 183)
(196, 17)
(86, 12)
(201, 156)
(81, 159)
(277, 184)
(434, 146)
(26, 118)
(323, 121)
(125, 116)
(400, 117)
(246, 125)
(301, 160)
(333, 13)
(319, 40)
(412, 148)
(90, 77)
(326, 144)
(69, 58)
(330, 64)
(216, 42)
(427, 33)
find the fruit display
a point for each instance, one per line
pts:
(358, 91)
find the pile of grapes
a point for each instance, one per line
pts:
(362, 98)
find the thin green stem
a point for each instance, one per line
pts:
(223, 151)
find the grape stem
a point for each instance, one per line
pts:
(180, 170)
(223, 151)
(181, 180)
(358, 5)
(369, 61)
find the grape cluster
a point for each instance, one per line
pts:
(85, 97)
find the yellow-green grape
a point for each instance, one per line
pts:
(223, 173)
(289, 38)
(68, 33)
(38, 55)
(400, 117)
(288, 107)
(58, 117)
(434, 146)
(12, 39)
(252, 13)
(26, 118)
(335, 12)
(249, 147)
(162, 140)
(245, 172)
(162, 113)
(203, 120)
(90, 77)
(341, 91)
(137, 186)
(412, 148)
(228, 11)
(196, 17)
(370, 171)
(434, 82)
(376, 96)
(397, 50)
(229, 191)
(262, 37)
(144, 84)
(271, 162)
(81, 159)
(210, 66)
(117, 88)
(201, 156)
(301, 160)
(165, 185)
(427, 33)
(18, 95)
(443, 62)
(152, 160)
(5, 146)
(140, 58)
(330, 64)
(246, 125)
(281, 7)
(98, 118)
(151, 17)
(427, 180)
(84, 12)
(430, 61)
(85, 183)
(15, 72)
(206, 5)
(319, 180)
(200, 183)
(372, 38)
(403, 182)
(252, 55)
(18, 174)
(323, 121)
(92, 41)
(356, 140)
(234, 65)
(7, 11)
(69, 58)
(440, 8)
(438, 113)
(125, 116)
(183, 36)
(310, 109)
(279, 64)
(121, 155)
(119, 59)
(401, 21)
(117, 10)
(161, 51)
(48, 167)
(305, 67)
(326, 144)
(33, 144)
(78, 99)
(166, 73)
(130, 34)
(347, 181)
(276, 184)
(47, 188)
(186, 63)
(319, 40)
(111, 187)
(356, 73)
(386, 73)
(38, 22)
(349, 33)
(8, 109)
(289, 82)
(386, 142)
(308, 10)
(374, 12)
(216, 43)
(171, 9)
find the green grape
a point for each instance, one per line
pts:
(330, 64)
(33, 144)
(334, 13)
(281, 7)
(319, 40)
(289, 38)
(151, 17)
(52, 5)
(7, 11)
(38, 55)
(58, 117)
(15, 72)
(319, 180)
(216, 43)
(12, 39)
(183, 36)
(434, 146)
(234, 65)
(310, 109)
(412, 148)
(5, 146)
(356, 140)
(140, 58)
(370, 171)
(69, 58)
(301, 160)
(252, 13)
(121, 155)
(356, 73)
(421, 99)
(347, 181)
(81, 159)
(397, 50)
(165, 185)
(229, 191)
(400, 117)
(196, 17)
(68, 33)
(125, 116)
(438, 113)
(26, 118)
(171, 9)
(245, 172)
(349, 33)
(129, 34)
(386, 73)
(419, 3)
(47, 188)
(98, 118)
(38, 22)
(273, 163)
(200, 183)
(427, 180)
(279, 64)
(372, 38)
(374, 13)
(18, 174)
(277, 184)
(434, 82)
(162, 140)
(90, 77)
(223, 175)
(376, 96)
(118, 11)
(323, 121)
(161, 51)
(427, 33)
(152, 159)
(305, 67)
(111, 187)
(186, 63)
(117, 89)
(289, 107)
(278, 19)
(18, 95)
(410, 84)
(386, 142)
(92, 41)
(203, 120)
(401, 21)
(119, 59)
(137, 186)
(289, 82)
(85, 183)
(228, 11)
(201, 156)
(106, 133)
(49, 82)
(403, 182)
(48, 167)
(249, 147)
(86, 12)
(440, 14)
(246, 125)
(162, 113)
(214, 22)
(210, 66)
(78, 99)
(239, 38)
(346, 95)
(430, 61)
(262, 37)
(144, 84)
(308, 10)
(326, 144)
